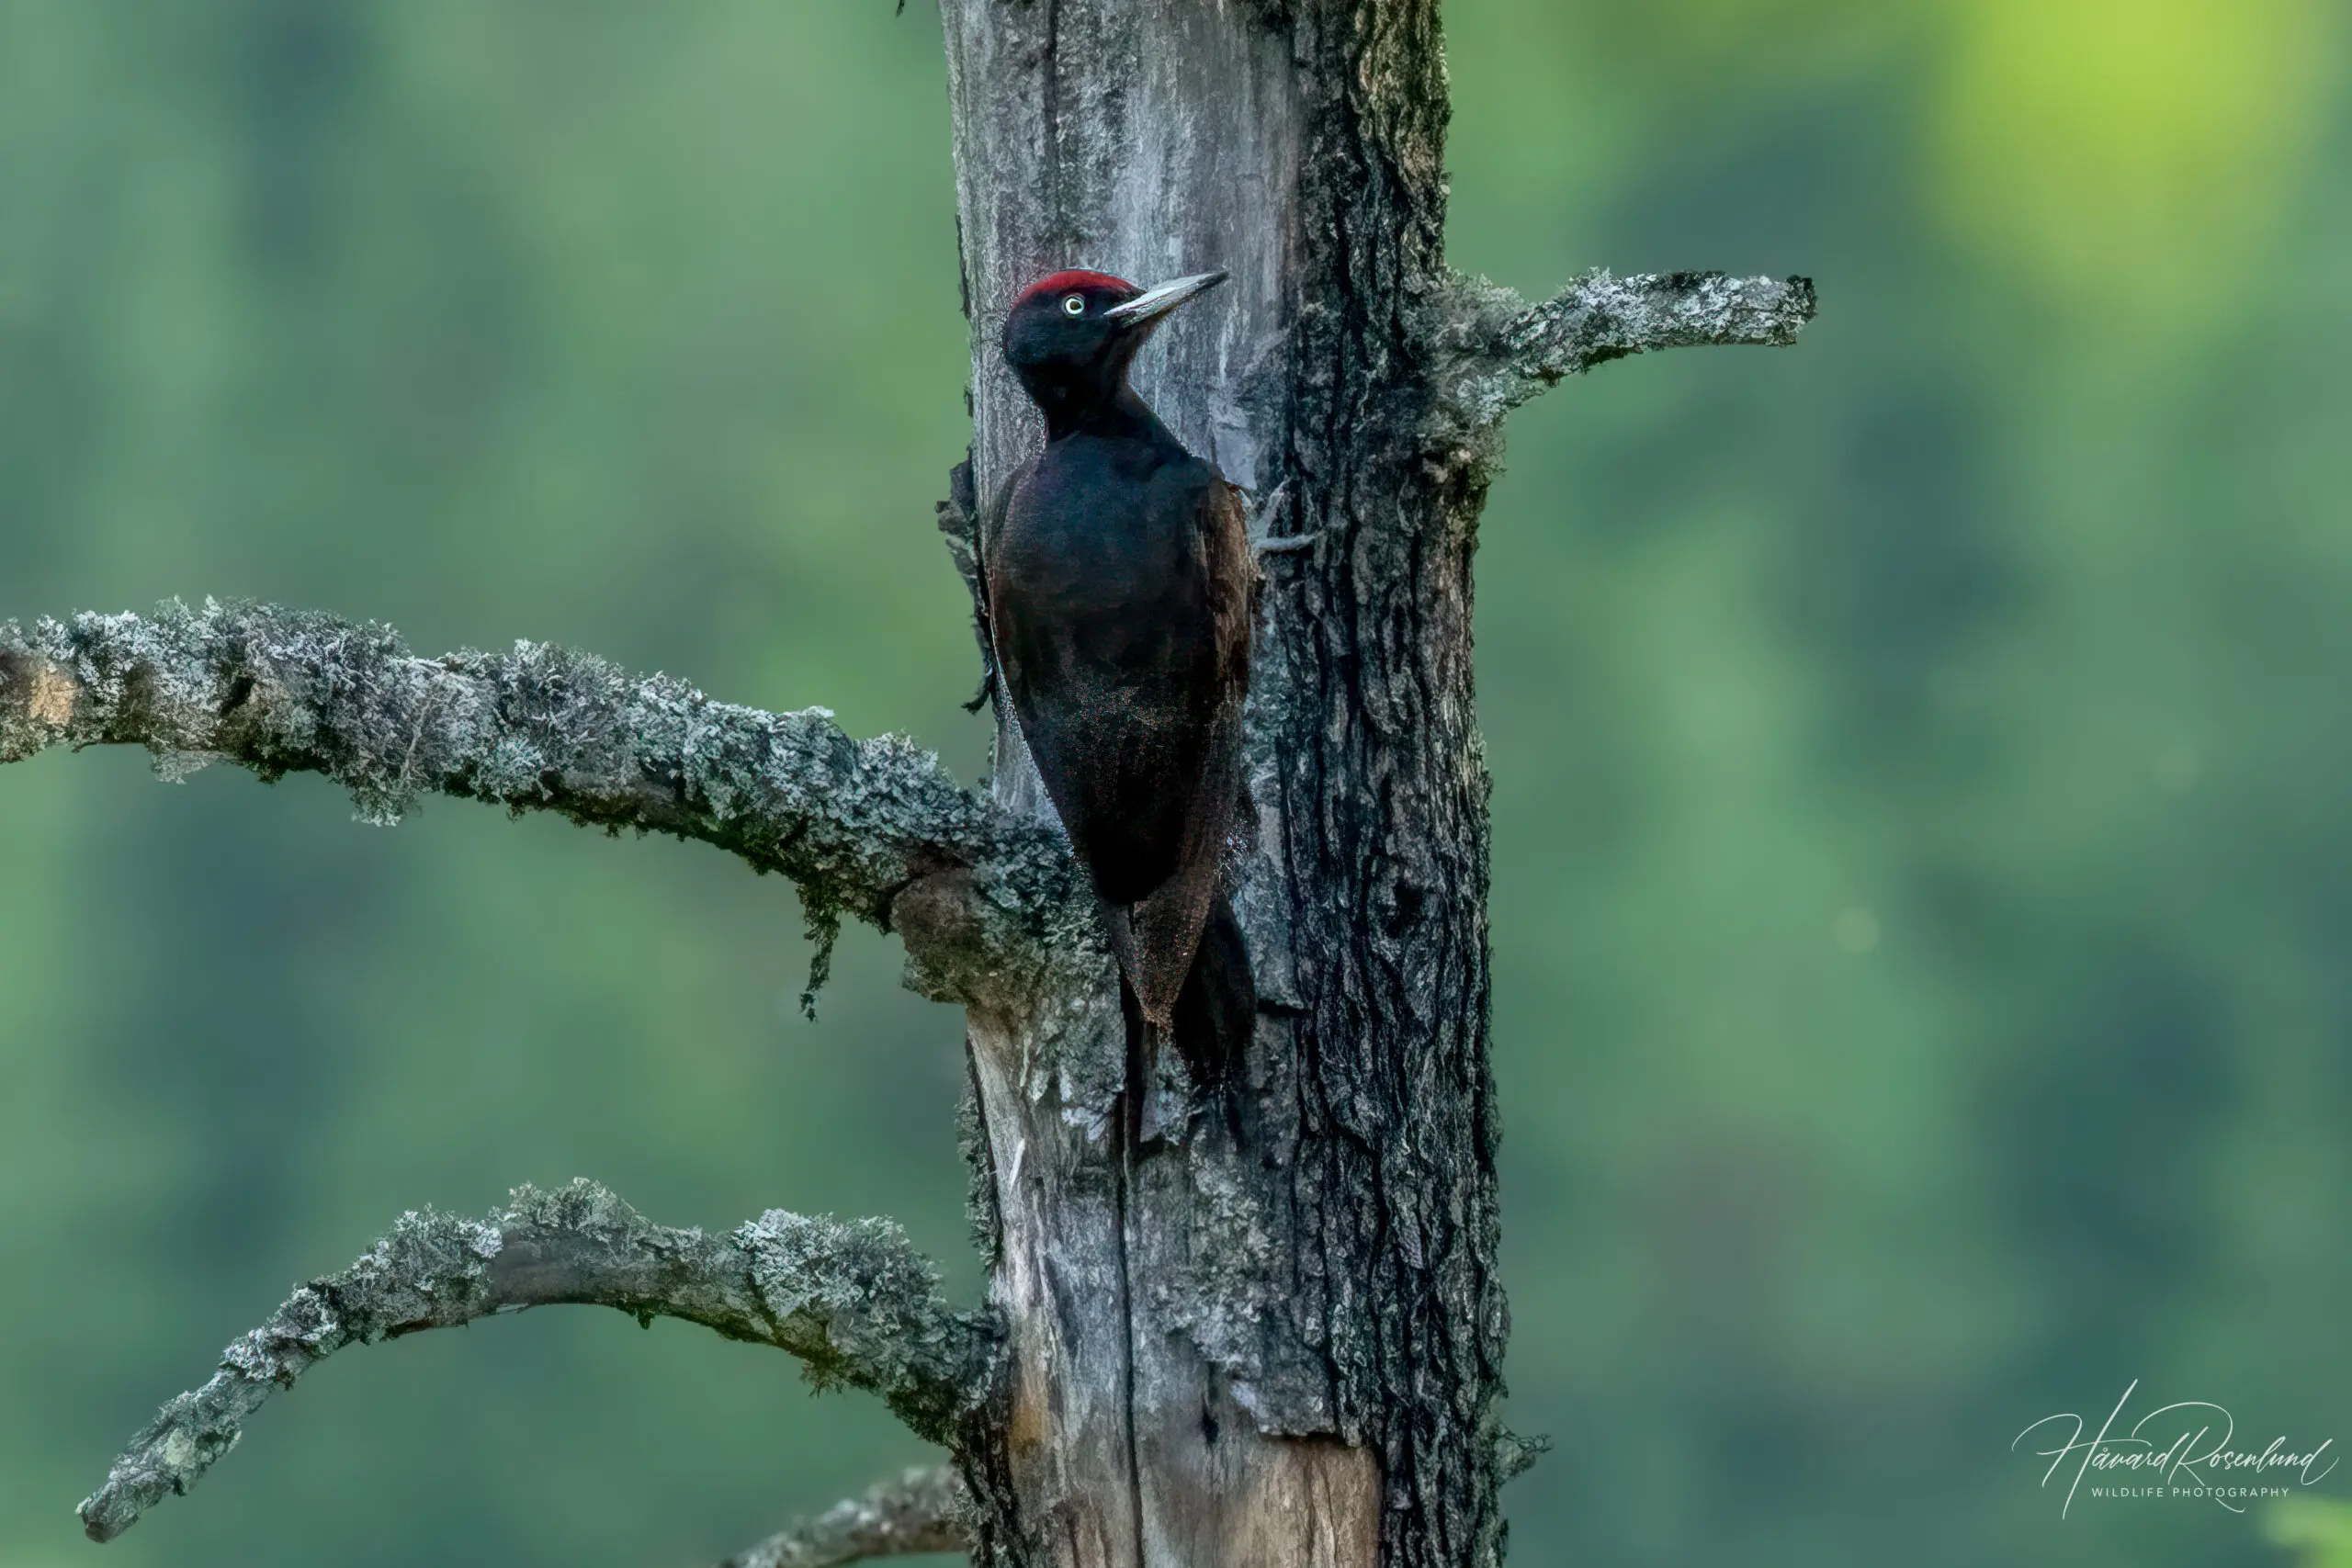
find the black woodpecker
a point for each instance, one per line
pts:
(1121, 587)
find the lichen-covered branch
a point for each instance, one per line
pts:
(855, 824)
(1499, 351)
(852, 1299)
(922, 1511)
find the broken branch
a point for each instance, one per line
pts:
(1505, 351)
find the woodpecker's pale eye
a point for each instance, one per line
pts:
(1074, 305)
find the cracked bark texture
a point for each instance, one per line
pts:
(1281, 1343)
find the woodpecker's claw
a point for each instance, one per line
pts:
(1270, 513)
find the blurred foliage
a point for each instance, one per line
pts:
(2120, 152)
(2319, 1532)
(1922, 882)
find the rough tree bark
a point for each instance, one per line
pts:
(1289, 1342)
(1274, 1340)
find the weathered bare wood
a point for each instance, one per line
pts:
(852, 1299)
(1277, 1340)
(1146, 139)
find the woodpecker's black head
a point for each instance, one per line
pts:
(1070, 337)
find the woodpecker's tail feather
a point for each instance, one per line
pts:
(1217, 1009)
(1209, 1024)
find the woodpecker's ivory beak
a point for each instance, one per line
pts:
(1156, 302)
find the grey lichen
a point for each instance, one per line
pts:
(861, 1307)
(431, 1271)
(856, 824)
(853, 1299)
(1225, 1281)
(922, 1511)
(1492, 351)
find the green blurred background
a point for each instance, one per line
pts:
(1923, 883)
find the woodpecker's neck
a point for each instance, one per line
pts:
(1083, 406)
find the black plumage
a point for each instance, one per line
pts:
(1121, 587)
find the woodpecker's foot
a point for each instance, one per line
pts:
(1268, 516)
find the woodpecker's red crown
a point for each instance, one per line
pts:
(1076, 280)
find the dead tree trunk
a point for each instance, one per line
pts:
(1276, 1341)
(1290, 1343)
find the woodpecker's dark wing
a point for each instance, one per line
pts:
(1120, 593)
(1163, 928)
